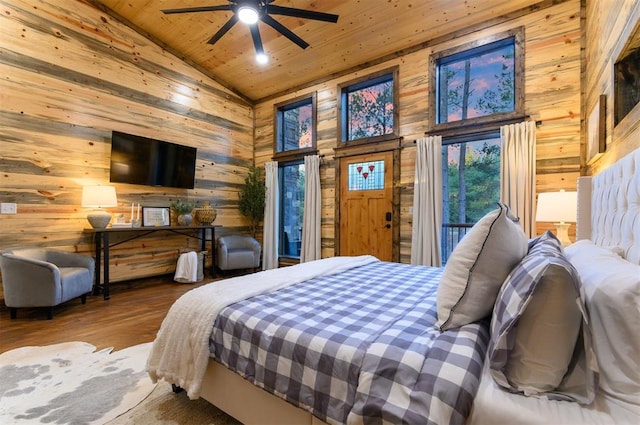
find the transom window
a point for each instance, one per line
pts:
(295, 123)
(368, 108)
(476, 82)
(476, 85)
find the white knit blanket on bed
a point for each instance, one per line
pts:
(180, 352)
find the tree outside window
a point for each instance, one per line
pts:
(292, 185)
(370, 111)
(470, 186)
(475, 89)
(295, 137)
(295, 125)
(477, 82)
(368, 108)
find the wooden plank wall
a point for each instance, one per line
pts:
(72, 74)
(552, 50)
(609, 26)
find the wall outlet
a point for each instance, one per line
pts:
(8, 208)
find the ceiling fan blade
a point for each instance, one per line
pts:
(197, 9)
(257, 41)
(302, 13)
(284, 31)
(222, 31)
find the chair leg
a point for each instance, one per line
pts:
(83, 297)
(13, 312)
(49, 313)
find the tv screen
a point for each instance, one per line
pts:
(145, 161)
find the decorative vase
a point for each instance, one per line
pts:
(184, 219)
(206, 214)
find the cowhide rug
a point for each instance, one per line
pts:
(71, 383)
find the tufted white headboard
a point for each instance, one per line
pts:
(609, 207)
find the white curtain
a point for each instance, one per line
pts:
(311, 239)
(271, 216)
(518, 172)
(427, 203)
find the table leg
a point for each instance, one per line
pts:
(213, 251)
(98, 240)
(106, 265)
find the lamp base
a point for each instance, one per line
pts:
(99, 219)
(562, 232)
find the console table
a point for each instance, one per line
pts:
(102, 243)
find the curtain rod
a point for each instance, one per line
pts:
(472, 133)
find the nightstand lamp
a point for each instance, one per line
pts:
(99, 197)
(559, 208)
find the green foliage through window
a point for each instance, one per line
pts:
(292, 186)
(471, 180)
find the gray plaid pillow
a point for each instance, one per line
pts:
(536, 345)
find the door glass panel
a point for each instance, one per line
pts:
(366, 175)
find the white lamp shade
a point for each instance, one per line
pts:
(557, 207)
(561, 208)
(99, 196)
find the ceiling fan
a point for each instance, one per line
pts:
(252, 11)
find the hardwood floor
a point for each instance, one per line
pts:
(132, 316)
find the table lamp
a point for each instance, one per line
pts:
(559, 208)
(99, 197)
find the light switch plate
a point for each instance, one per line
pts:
(8, 208)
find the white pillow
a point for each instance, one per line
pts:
(612, 290)
(477, 267)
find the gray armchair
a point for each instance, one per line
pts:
(238, 252)
(40, 277)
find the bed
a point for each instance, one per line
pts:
(423, 352)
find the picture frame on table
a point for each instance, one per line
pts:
(156, 216)
(596, 143)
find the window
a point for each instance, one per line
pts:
(368, 108)
(478, 84)
(477, 87)
(291, 178)
(470, 186)
(295, 137)
(295, 124)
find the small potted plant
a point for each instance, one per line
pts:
(183, 211)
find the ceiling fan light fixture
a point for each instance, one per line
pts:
(248, 15)
(262, 58)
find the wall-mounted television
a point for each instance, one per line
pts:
(151, 162)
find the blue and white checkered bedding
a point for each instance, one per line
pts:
(356, 347)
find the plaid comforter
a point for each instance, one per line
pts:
(356, 347)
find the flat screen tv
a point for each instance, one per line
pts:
(145, 161)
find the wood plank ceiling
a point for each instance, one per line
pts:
(367, 31)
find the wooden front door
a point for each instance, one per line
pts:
(366, 205)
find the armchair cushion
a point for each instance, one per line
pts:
(238, 252)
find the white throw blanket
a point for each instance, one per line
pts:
(180, 352)
(187, 268)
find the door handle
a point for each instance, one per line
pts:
(387, 226)
(387, 216)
